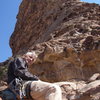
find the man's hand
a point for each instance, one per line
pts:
(0, 98)
(35, 77)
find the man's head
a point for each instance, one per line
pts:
(30, 57)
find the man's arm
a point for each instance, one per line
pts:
(22, 71)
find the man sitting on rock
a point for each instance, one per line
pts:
(39, 90)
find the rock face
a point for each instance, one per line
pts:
(76, 90)
(65, 35)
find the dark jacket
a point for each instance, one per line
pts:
(19, 68)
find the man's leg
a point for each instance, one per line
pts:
(45, 91)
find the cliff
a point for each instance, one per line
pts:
(65, 34)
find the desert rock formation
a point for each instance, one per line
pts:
(65, 34)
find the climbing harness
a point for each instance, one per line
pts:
(21, 90)
(16, 86)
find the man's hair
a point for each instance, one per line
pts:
(31, 54)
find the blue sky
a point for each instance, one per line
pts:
(8, 11)
(92, 1)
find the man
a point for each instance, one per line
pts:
(39, 90)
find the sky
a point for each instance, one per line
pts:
(8, 12)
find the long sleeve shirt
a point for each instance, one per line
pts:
(19, 68)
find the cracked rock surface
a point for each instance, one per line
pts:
(65, 34)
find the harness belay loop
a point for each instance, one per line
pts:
(16, 86)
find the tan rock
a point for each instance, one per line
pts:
(65, 34)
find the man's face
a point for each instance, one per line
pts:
(29, 59)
